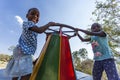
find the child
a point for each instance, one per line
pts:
(103, 56)
(21, 63)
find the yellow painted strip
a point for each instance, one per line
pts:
(59, 57)
(40, 59)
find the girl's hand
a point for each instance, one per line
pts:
(97, 54)
(76, 33)
(77, 29)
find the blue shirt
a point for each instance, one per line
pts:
(28, 38)
(101, 48)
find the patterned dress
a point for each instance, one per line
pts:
(21, 62)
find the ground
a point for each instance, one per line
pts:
(80, 75)
(2, 64)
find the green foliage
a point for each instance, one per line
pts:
(81, 61)
(118, 68)
(76, 60)
(82, 53)
(87, 66)
(4, 58)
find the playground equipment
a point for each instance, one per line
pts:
(55, 60)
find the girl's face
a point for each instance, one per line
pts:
(95, 29)
(33, 15)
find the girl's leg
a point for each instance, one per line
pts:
(110, 69)
(26, 77)
(97, 70)
(15, 78)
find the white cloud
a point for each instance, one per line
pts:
(11, 31)
(19, 19)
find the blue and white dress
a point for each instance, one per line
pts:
(21, 62)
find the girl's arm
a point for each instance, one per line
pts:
(42, 28)
(100, 33)
(69, 37)
(82, 39)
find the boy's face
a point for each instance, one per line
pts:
(33, 15)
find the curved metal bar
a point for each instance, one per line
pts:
(67, 31)
(64, 25)
(53, 30)
(60, 29)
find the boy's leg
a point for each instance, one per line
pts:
(26, 77)
(97, 70)
(110, 69)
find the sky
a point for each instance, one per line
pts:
(76, 13)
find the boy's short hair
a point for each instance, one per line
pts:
(32, 9)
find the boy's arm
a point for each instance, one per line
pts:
(42, 28)
(100, 33)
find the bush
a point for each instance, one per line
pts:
(4, 58)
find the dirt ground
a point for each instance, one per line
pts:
(2, 64)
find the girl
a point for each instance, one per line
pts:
(103, 56)
(21, 64)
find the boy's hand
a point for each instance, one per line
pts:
(58, 23)
(51, 24)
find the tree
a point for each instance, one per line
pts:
(107, 13)
(83, 54)
(4, 58)
(87, 66)
(76, 60)
(81, 61)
